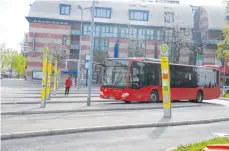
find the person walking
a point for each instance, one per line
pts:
(68, 84)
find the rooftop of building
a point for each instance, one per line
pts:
(120, 13)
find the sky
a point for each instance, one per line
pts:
(13, 23)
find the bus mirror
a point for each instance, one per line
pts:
(99, 64)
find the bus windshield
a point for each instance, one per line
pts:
(115, 73)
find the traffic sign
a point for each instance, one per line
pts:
(164, 49)
(86, 64)
(87, 57)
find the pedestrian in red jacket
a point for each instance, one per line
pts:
(68, 84)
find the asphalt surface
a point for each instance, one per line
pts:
(147, 139)
(32, 122)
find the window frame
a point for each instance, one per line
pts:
(64, 6)
(170, 17)
(102, 10)
(133, 12)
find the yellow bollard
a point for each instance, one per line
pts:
(55, 77)
(49, 76)
(44, 77)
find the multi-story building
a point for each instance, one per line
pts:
(119, 22)
(24, 45)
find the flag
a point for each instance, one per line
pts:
(116, 49)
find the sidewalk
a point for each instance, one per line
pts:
(58, 95)
(223, 98)
(19, 124)
(52, 100)
(17, 109)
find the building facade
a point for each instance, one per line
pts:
(147, 24)
(24, 45)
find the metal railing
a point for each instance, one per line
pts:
(214, 42)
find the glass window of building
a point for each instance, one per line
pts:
(65, 9)
(140, 15)
(160, 35)
(102, 12)
(169, 17)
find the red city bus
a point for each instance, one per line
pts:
(139, 79)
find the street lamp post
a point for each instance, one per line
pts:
(81, 33)
(91, 55)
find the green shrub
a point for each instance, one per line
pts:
(201, 145)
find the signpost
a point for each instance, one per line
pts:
(44, 77)
(165, 76)
(49, 76)
(87, 59)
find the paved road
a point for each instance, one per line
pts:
(147, 139)
(25, 123)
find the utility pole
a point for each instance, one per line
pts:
(81, 34)
(91, 55)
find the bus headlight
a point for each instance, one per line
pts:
(101, 93)
(125, 95)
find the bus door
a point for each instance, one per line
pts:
(137, 85)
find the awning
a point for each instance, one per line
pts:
(69, 72)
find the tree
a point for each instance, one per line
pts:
(227, 4)
(222, 52)
(3, 57)
(59, 52)
(6, 57)
(136, 45)
(19, 64)
(223, 47)
(180, 39)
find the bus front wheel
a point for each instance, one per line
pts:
(199, 97)
(154, 97)
(127, 102)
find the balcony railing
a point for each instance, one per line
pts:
(75, 32)
(213, 42)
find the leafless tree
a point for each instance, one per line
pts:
(180, 39)
(227, 4)
(136, 45)
(59, 51)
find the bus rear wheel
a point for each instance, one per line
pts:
(154, 97)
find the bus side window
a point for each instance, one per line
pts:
(138, 74)
(152, 76)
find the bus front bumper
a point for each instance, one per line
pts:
(107, 93)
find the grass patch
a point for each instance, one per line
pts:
(225, 95)
(201, 145)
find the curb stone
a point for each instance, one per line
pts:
(55, 102)
(91, 110)
(222, 98)
(170, 149)
(70, 96)
(106, 128)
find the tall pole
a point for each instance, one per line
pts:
(50, 57)
(44, 77)
(55, 77)
(79, 62)
(91, 55)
